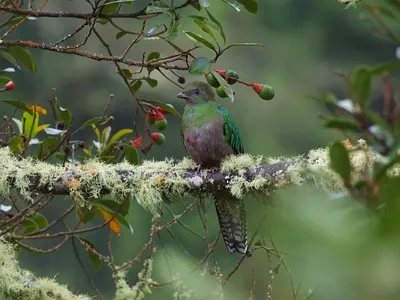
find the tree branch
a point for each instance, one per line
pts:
(156, 183)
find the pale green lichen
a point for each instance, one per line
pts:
(21, 284)
(138, 291)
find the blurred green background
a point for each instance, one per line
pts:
(333, 247)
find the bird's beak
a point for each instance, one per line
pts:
(182, 95)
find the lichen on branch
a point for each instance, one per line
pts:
(154, 183)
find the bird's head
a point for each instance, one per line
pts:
(197, 92)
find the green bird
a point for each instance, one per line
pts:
(209, 135)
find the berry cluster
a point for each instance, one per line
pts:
(264, 91)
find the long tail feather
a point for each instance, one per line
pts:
(232, 221)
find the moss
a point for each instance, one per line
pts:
(21, 284)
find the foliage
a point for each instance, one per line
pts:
(29, 136)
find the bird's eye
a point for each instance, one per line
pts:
(197, 91)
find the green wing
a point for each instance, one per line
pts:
(231, 131)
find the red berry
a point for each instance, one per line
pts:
(10, 86)
(138, 142)
(158, 138)
(221, 72)
(162, 110)
(257, 87)
(149, 118)
(158, 116)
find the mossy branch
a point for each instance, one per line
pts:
(154, 183)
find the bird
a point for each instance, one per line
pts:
(209, 135)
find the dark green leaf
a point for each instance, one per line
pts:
(227, 88)
(17, 144)
(114, 206)
(12, 21)
(151, 82)
(18, 104)
(120, 34)
(127, 73)
(135, 85)
(85, 215)
(150, 57)
(94, 120)
(131, 154)
(200, 39)
(361, 81)
(203, 26)
(157, 7)
(218, 24)
(49, 145)
(94, 258)
(341, 124)
(63, 114)
(7, 56)
(385, 67)
(250, 5)
(4, 80)
(23, 56)
(378, 120)
(173, 29)
(200, 66)
(340, 161)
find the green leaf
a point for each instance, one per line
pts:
(7, 56)
(131, 154)
(340, 161)
(94, 120)
(97, 263)
(29, 124)
(105, 135)
(250, 5)
(200, 66)
(151, 82)
(203, 26)
(378, 120)
(227, 88)
(18, 104)
(195, 37)
(173, 29)
(23, 56)
(63, 114)
(385, 67)
(341, 124)
(120, 34)
(157, 7)
(120, 134)
(168, 108)
(34, 223)
(218, 24)
(135, 85)
(361, 81)
(150, 57)
(29, 226)
(17, 144)
(127, 73)
(243, 45)
(113, 205)
(234, 4)
(50, 144)
(85, 215)
(4, 80)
